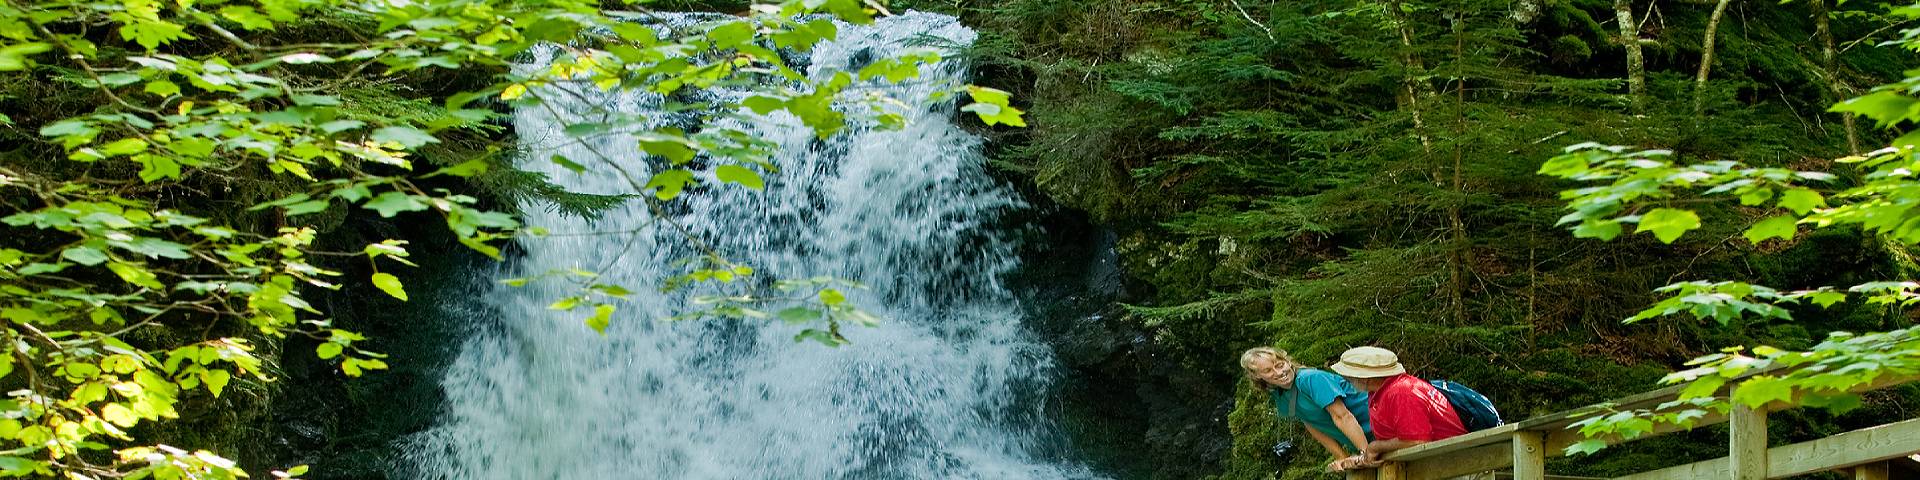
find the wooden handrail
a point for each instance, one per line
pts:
(1524, 444)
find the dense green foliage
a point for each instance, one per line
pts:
(1321, 175)
(134, 278)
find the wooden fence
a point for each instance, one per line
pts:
(1523, 447)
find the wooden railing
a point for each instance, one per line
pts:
(1524, 447)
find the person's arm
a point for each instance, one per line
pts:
(1380, 448)
(1333, 447)
(1348, 424)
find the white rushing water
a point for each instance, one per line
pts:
(948, 386)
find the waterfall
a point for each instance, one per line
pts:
(949, 385)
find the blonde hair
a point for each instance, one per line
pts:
(1246, 363)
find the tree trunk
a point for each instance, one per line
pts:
(1829, 61)
(1414, 91)
(1706, 57)
(1458, 253)
(1636, 62)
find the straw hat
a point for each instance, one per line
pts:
(1369, 362)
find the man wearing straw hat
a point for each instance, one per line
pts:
(1405, 410)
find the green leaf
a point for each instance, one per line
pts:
(1826, 298)
(136, 275)
(1756, 197)
(118, 414)
(741, 175)
(14, 57)
(568, 164)
(328, 350)
(155, 248)
(156, 167)
(762, 104)
(124, 146)
(1703, 387)
(832, 297)
(247, 17)
(1762, 390)
(392, 203)
(315, 100)
(152, 34)
(1884, 107)
(1781, 227)
(464, 169)
(162, 88)
(730, 35)
(1801, 200)
(602, 316)
(674, 148)
(822, 336)
(996, 114)
(669, 183)
(798, 315)
(1668, 224)
(1586, 447)
(390, 284)
(338, 126)
(216, 380)
(404, 135)
(306, 207)
(84, 255)
(1602, 229)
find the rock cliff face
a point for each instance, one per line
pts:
(1136, 405)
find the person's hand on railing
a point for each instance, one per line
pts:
(1344, 464)
(1370, 456)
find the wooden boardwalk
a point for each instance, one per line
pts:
(1519, 450)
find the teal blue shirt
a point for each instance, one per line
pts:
(1312, 391)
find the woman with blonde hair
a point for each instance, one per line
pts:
(1334, 412)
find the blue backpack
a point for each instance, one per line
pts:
(1475, 410)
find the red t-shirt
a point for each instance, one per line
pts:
(1409, 408)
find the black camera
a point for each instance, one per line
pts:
(1284, 450)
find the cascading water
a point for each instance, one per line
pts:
(949, 385)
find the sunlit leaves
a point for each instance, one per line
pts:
(1885, 107)
(162, 88)
(14, 57)
(602, 317)
(668, 184)
(153, 34)
(1782, 227)
(386, 282)
(408, 137)
(1801, 200)
(393, 203)
(1668, 224)
(1720, 301)
(740, 175)
(992, 107)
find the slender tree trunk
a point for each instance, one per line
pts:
(1829, 61)
(1458, 250)
(1706, 57)
(1414, 91)
(1636, 61)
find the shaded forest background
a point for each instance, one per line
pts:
(1318, 175)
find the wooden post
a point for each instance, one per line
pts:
(1365, 474)
(1529, 455)
(1393, 471)
(1873, 471)
(1747, 444)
